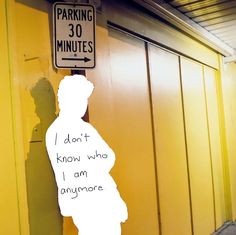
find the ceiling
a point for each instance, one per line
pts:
(216, 16)
(215, 20)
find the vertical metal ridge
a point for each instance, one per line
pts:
(186, 146)
(153, 135)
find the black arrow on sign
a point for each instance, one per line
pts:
(85, 59)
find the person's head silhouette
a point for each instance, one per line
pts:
(44, 99)
(73, 94)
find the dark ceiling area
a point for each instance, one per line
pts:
(216, 16)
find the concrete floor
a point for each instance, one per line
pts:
(227, 229)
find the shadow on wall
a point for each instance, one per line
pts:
(44, 214)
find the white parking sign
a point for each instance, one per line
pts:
(74, 35)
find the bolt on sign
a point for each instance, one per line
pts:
(73, 35)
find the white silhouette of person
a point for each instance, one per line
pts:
(81, 161)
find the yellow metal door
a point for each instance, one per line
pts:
(171, 162)
(122, 102)
(9, 220)
(200, 168)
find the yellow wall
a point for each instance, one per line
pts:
(228, 82)
(36, 83)
(9, 219)
(157, 110)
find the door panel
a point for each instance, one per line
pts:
(131, 130)
(133, 145)
(198, 148)
(215, 141)
(170, 142)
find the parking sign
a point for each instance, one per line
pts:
(74, 35)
